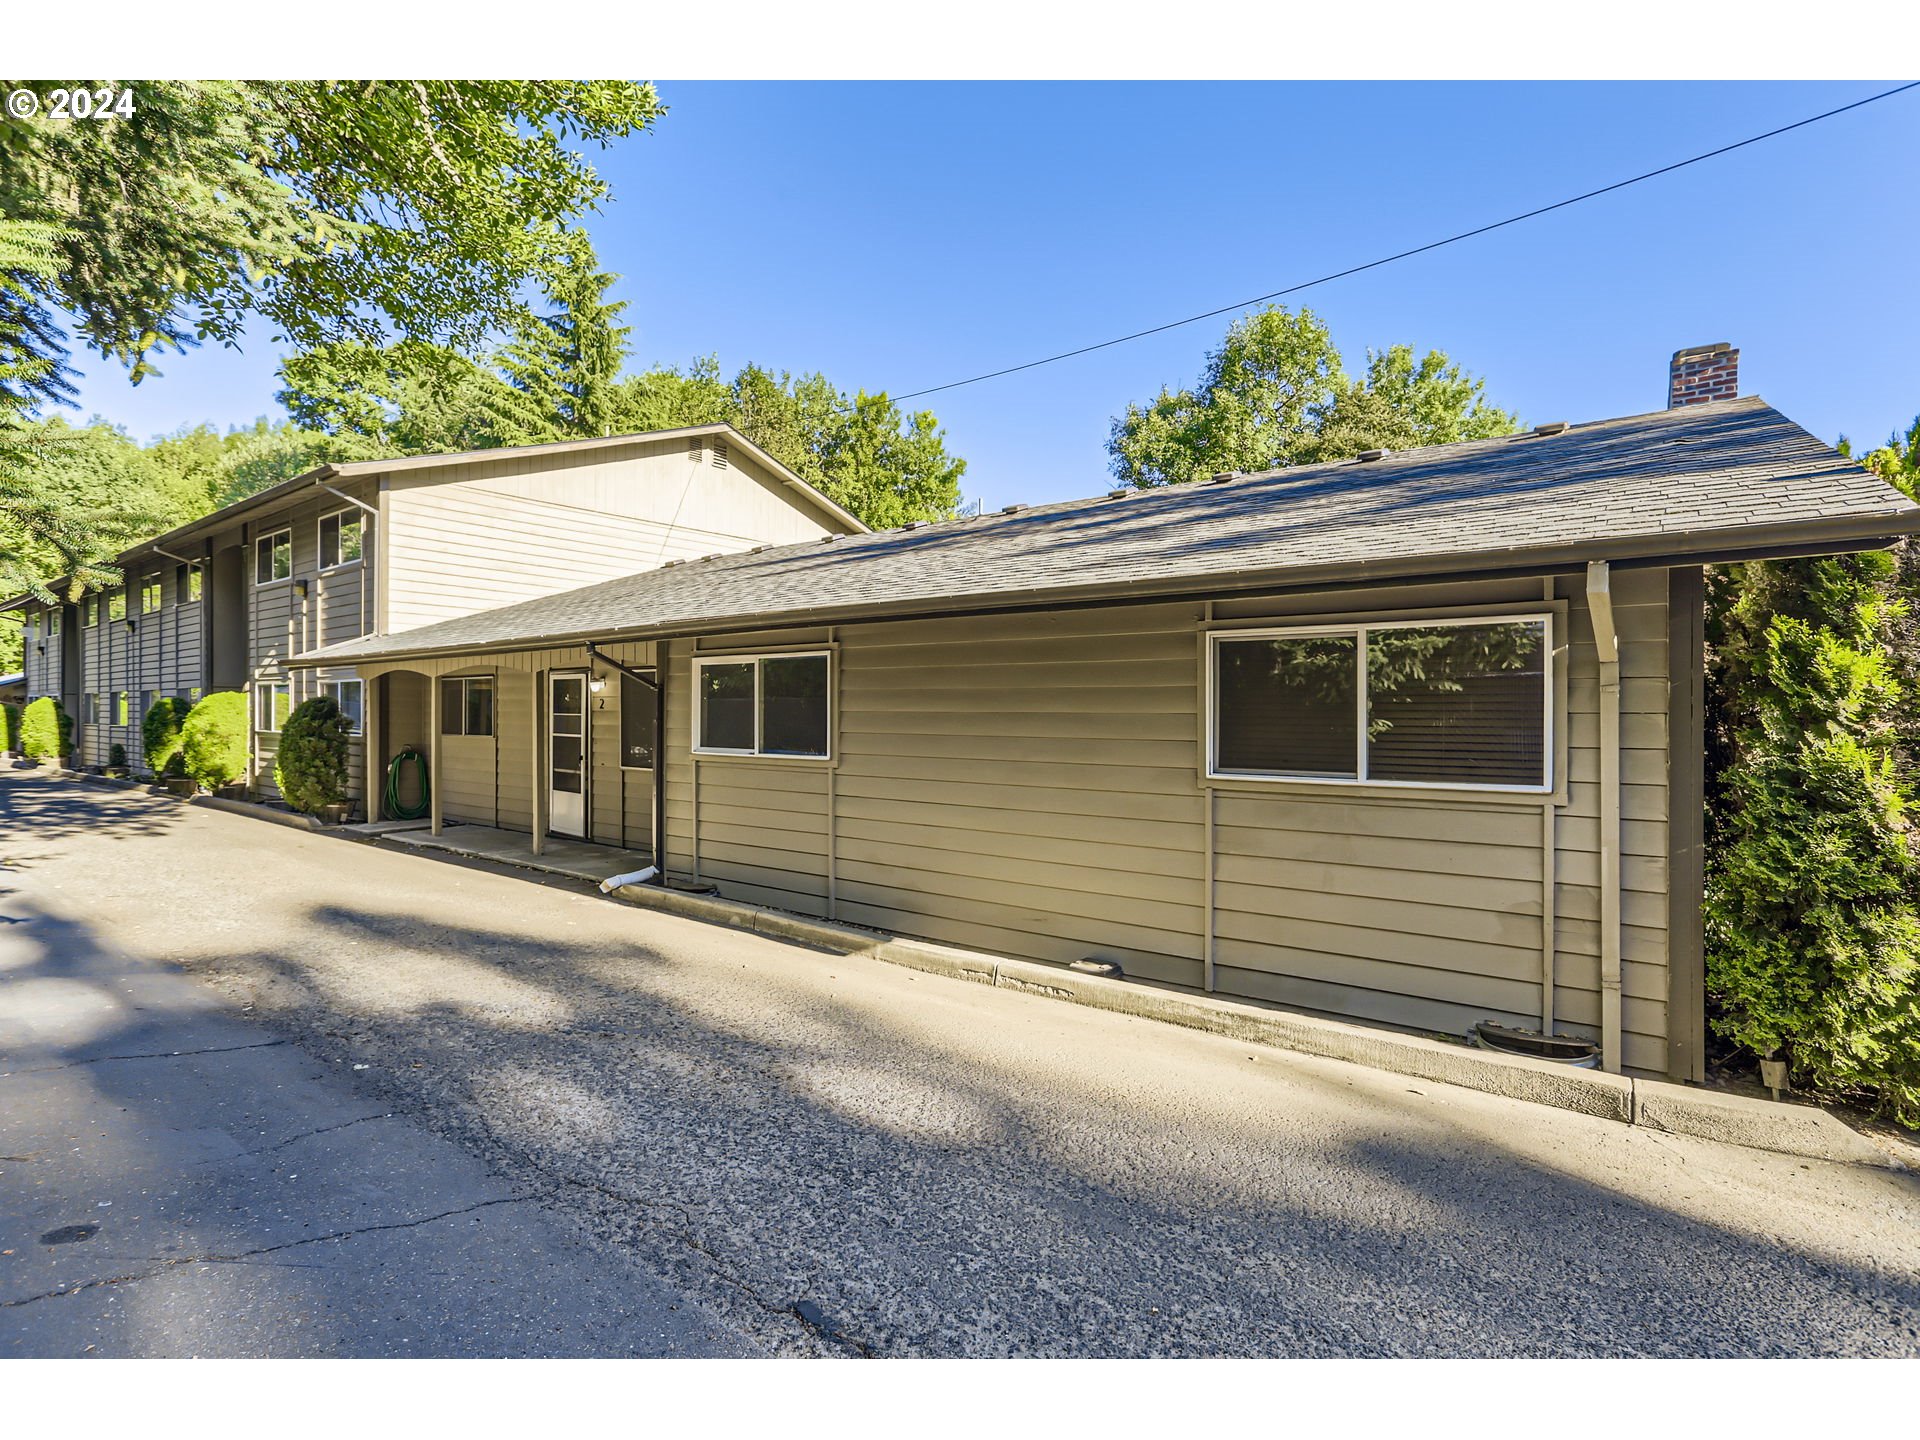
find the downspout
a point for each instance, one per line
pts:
(1607, 646)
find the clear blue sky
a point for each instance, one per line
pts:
(899, 236)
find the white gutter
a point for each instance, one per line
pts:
(1607, 643)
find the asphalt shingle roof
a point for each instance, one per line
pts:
(1698, 480)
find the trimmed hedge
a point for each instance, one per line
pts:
(9, 727)
(45, 731)
(310, 763)
(214, 739)
(160, 735)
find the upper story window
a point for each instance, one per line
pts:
(763, 705)
(1454, 703)
(150, 594)
(186, 583)
(339, 538)
(466, 705)
(117, 604)
(273, 557)
(90, 610)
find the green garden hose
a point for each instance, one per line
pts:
(393, 806)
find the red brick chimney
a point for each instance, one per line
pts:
(1701, 373)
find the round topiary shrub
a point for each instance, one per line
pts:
(213, 741)
(160, 735)
(43, 729)
(310, 766)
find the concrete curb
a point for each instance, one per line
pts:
(260, 812)
(212, 802)
(1653, 1104)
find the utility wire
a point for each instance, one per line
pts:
(1417, 250)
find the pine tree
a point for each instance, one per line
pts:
(563, 364)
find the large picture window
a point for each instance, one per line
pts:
(1457, 703)
(775, 705)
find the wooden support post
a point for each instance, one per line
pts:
(434, 782)
(539, 770)
(372, 738)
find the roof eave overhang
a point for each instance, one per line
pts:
(1718, 546)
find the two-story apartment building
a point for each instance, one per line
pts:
(378, 547)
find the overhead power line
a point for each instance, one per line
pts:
(1417, 250)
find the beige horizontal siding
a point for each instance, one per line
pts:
(476, 536)
(1030, 783)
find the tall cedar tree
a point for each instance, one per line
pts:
(1813, 935)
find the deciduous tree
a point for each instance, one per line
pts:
(1276, 393)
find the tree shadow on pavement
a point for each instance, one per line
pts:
(788, 1153)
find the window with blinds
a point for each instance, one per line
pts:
(1450, 703)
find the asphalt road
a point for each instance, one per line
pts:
(807, 1154)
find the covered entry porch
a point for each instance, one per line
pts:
(547, 748)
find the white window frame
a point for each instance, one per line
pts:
(331, 689)
(263, 692)
(1358, 630)
(268, 539)
(319, 545)
(702, 661)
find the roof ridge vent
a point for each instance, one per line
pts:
(1221, 477)
(1552, 427)
(914, 525)
(1013, 509)
(1122, 492)
(1368, 456)
(829, 539)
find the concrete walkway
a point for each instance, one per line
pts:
(176, 1179)
(558, 856)
(838, 1156)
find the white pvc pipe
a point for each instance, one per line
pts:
(637, 877)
